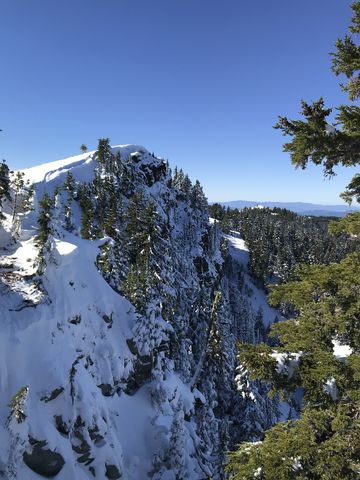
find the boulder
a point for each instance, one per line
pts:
(43, 461)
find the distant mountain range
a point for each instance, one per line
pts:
(297, 207)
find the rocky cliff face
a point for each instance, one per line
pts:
(121, 306)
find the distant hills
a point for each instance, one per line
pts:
(301, 208)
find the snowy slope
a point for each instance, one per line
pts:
(258, 299)
(46, 368)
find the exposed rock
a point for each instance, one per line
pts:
(108, 319)
(141, 370)
(112, 472)
(85, 459)
(43, 461)
(52, 395)
(153, 172)
(140, 375)
(75, 320)
(61, 426)
(83, 446)
(106, 389)
(95, 435)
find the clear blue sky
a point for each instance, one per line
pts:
(199, 82)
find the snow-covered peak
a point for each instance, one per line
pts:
(50, 170)
(82, 166)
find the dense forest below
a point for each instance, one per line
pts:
(278, 240)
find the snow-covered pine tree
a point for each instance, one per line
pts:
(4, 185)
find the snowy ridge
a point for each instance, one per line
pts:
(49, 175)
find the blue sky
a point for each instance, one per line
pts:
(199, 82)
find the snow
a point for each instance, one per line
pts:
(330, 129)
(286, 362)
(331, 389)
(76, 288)
(297, 464)
(64, 248)
(258, 472)
(48, 171)
(341, 351)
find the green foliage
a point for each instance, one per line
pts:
(88, 215)
(44, 223)
(103, 151)
(217, 211)
(279, 239)
(4, 185)
(353, 189)
(144, 238)
(327, 299)
(197, 198)
(314, 139)
(28, 197)
(83, 148)
(69, 184)
(44, 220)
(215, 350)
(187, 191)
(349, 224)
(17, 404)
(346, 60)
(17, 185)
(324, 443)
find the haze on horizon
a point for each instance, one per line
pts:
(200, 83)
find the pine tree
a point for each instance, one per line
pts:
(314, 139)
(177, 445)
(18, 404)
(17, 185)
(186, 187)
(44, 220)
(104, 152)
(197, 197)
(178, 177)
(110, 218)
(4, 180)
(4, 186)
(69, 184)
(144, 241)
(324, 443)
(88, 215)
(28, 197)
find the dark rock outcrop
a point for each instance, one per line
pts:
(43, 461)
